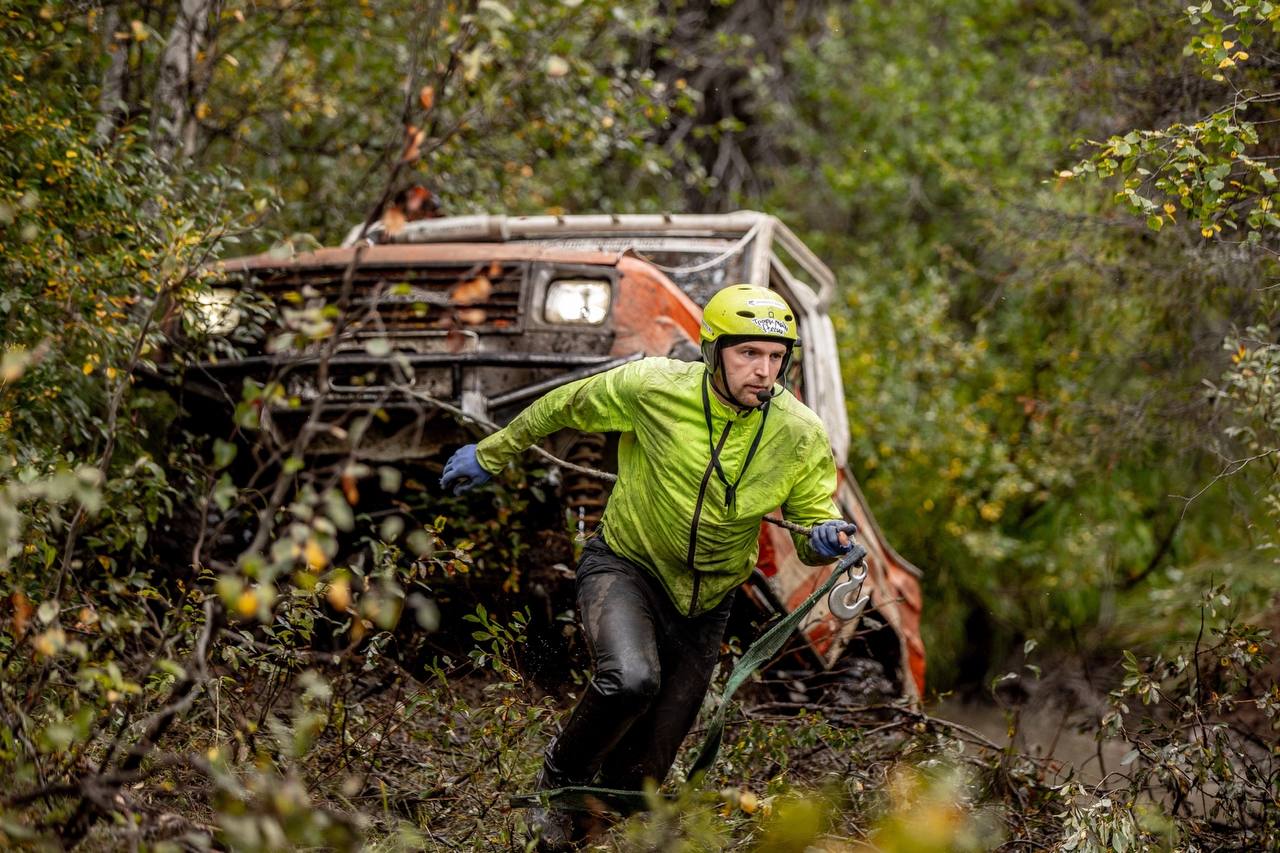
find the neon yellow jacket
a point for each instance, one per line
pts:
(668, 510)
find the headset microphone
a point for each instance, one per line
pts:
(765, 396)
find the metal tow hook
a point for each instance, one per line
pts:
(844, 599)
(839, 599)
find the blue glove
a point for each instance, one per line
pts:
(825, 538)
(463, 471)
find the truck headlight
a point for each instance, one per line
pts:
(214, 311)
(574, 300)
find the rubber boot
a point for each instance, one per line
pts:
(554, 829)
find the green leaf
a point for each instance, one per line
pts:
(421, 543)
(173, 667)
(391, 528)
(389, 478)
(223, 453)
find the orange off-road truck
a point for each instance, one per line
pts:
(482, 314)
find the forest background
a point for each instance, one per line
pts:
(1054, 233)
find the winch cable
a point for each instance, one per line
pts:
(590, 798)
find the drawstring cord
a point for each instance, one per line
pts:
(730, 489)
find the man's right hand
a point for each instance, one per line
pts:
(463, 471)
(831, 538)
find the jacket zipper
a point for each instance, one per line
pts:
(697, 513)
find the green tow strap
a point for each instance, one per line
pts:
(587, 798)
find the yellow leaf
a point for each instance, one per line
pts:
(748, 802)
(88, 368)
(1227, 45)
(247, 603)
(1240, 56)
(1169, 208)
(316, 558)
(1206, 232)
(50, 642)
(12, 365)
(339, 595)
(1226, 63)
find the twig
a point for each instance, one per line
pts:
(91, 806)
(492, 427)
(1233, 467)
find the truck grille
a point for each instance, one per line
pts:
(395, 301)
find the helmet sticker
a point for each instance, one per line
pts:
(770, 326)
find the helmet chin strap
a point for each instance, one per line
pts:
(720, 382)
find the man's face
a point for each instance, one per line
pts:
(751, 367)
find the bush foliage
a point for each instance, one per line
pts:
(224, 640)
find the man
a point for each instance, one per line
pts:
(706, 450)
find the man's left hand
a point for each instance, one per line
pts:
(831, 538)
(463, 471)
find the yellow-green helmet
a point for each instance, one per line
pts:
(743, 312)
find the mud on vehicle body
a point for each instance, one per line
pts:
(480, 315)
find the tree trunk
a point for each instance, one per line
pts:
(110, 102)
(172, 130)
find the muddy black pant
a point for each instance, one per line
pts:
(652, 668)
